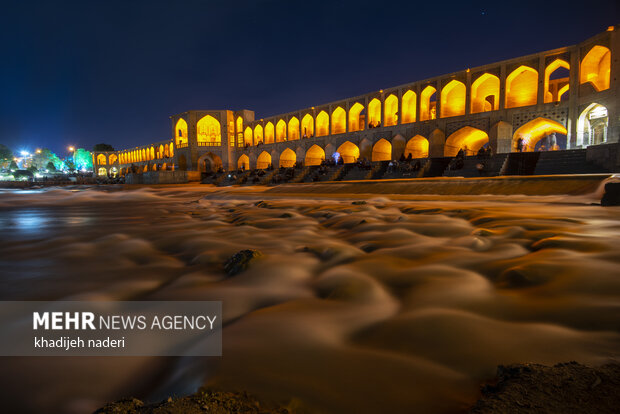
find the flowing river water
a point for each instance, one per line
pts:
(386, 305)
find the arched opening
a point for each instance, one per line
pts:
(596, 68)
(263, 161)
(417, 147)
(428, 104)
(288, 158)
(453, 99)
(485, 94)
(382, 151)
(356, 122)
(468, 139)
(239, 125)
(539, 132)
(180, 133)
(170, 150)
(293, 129)
(322, 124)
(243, 163)
(258, 134)
(209, 162)
(154, 167)
(182, 162)
(408, 109)
(161, 151)
(113, 158)
(269, 133)
(281, 131)
(349, 152)
(102, 159)
(374, 113)
(391, 110)
(145, 168)
(315, 155)
(307, 126)
(521, 87)
(592, 125)
(556, 80)
(339, 121)
(102, 171)
(208, 132)
(247, 136)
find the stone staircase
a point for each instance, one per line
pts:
(566, 162)
(492, 167)
(436, 167)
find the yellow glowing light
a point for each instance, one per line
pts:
(288, 158)
(208, 130)
(293, 129)
(339, 121)
(471, 139)
(180, 132)
(258, 134)
(596, 68)
(315, 155)
(521, 87)
(408, 107)
(281, 131)
(322, 124)
(485, 93)
(269, 133)
(426, 106)
(263, 161)
(71, 149)
(354, 117)
(417, 147)
(391, 110)
(453, 99)
(374, 112)
(535, 130)
(382, 151)
(552, 87)
(349, 152)
(307, 126)
(243, 162)
(247, 136)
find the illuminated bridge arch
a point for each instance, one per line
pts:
(467, 138)
(453, 99)
(243, 163)
(427, 103)
(180, 132)
(391, 110)
(208, 131)
(288, 158)
(374, 112)
(349, 152)
(281, 131)
(258, 134)
(408, 107)
(592, 125)
(485, 93)
(307, 126)
(555, 88)
(247, 136)
(293, 129)
(382, 150)
(102, 159)
(269, 133)
(322, 124)
(417, 147)
(535, 130)
(315, 155)
(263, 161)
(339, 121)
(596, 67)
(354, 117)
(521, 87)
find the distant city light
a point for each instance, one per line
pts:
(71, 149)
(24, 153)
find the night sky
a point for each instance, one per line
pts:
(114, 71)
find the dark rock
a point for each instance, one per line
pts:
(240, 261)
(358, 203)
(262, 204)
(612, 195)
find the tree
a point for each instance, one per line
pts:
(103, 147)
(5, 153)
(42, 159)
(50, 167)
(69, 164)
(13, 166)
(83, 159)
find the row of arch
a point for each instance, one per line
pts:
(140, 155)
(469, 138)
(521, 89)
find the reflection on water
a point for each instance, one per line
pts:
(382, 306)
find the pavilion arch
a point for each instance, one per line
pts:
(239, 125)
(293, 129)
(554, 89)
(161, 152)
(180, 132)
(247, 136)
(408, 107)
(102, 159)
(288, 158)
(152, 153)
(170, 150)
(374, 113)
(398, 146)
(349, 152)
(521, 87)
(382, 150)
(467, 138)
(209, 162)
(102, 171)
(258, 134)
(592, 125)
(534, 130)
(427, 105)
(417, 147)
(143, 156)
(307, 126)
(208, 131)
(113, 158)
(281, 131)
(315, 155)
(596, 68)
(453, 99)
(269, 133)
(339, 121)
(263, 161)
(243, 163)
(485, 94)
(355, 124)
(322, 124)
(391, 110)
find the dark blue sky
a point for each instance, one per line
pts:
(114, 71)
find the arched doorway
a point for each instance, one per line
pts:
(535, 132)
(382, 151)
(592, 125)
(243, 163)
(521, 87)
(209, 162)
(417, 147)
(453, 99)
(315, 155)
(288, 158)
(485, 93)
(468, 139)
(263, 161)
(596, 68)
(349, 152)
